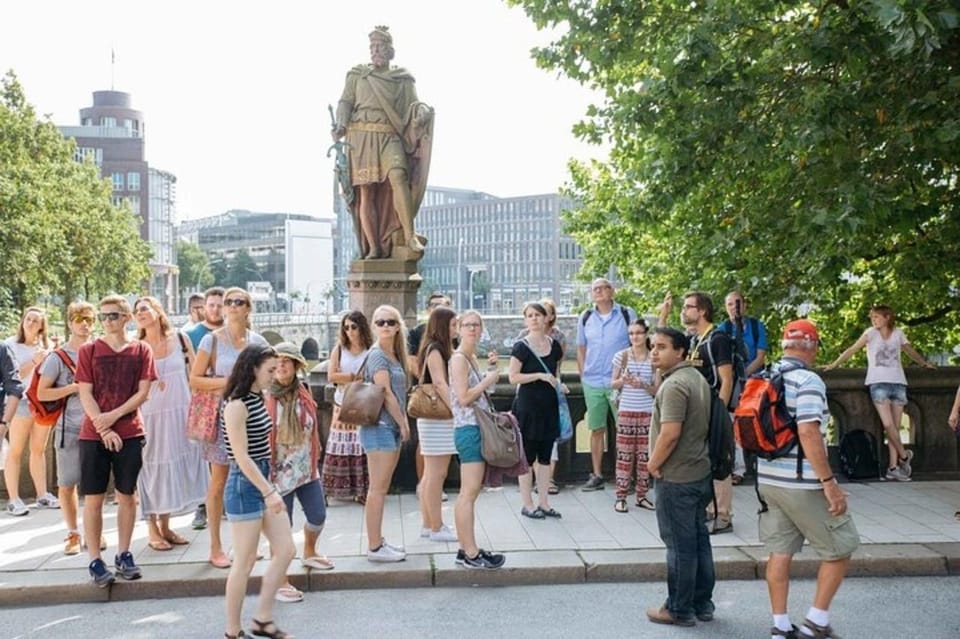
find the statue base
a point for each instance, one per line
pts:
(372, 283)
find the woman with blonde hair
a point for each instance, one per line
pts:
(30, 347)
(174, 476)
(218, 351)
(887, 381)
(385, 366)
(468, 390)
(344, 464)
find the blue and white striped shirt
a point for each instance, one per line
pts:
(806, 397)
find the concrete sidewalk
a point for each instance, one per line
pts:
(906, 529)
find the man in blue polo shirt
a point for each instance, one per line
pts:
(601, 334)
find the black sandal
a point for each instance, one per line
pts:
(550, 512)
(239, 635)
(260, 630)
(646, 504)
(620, 505)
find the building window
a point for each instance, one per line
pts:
(108, 122)
(133, 181)
(88, 154)
(118, 181)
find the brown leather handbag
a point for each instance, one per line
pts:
(362, 400)
(426, 401)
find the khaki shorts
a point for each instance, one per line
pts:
(797, 514)
(599, 406)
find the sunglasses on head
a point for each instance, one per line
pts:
(113, 316)
(83, 319)
(386, 322)
(235, 301)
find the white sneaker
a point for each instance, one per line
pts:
(17, 508)
(48, 501)
(905, 466)
(444, 534)
(394, 547)
(444, 497)
(896, 474)
(385, 554)
(425, 532)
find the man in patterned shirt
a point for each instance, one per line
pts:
(811, 506)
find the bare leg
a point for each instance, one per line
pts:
(778, 582)
(310, 538)
(18, 435)
(543, 484)
(218, 482)
(39, 436)
(69, 505)
(245, 535)
(889, 417)
(126, 518)
(93, 523)
(596, 450)
(381, 465)
(526, 489)
(829, 578)
(431, 490)
(276, 528)
(471, 479)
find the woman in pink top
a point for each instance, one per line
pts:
(886, 381)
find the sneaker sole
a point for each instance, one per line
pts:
(104, 583)
(384, 560)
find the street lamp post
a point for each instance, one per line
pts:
(459, 303)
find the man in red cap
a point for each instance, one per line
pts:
(812, 506)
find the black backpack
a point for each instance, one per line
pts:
(720, 438)
(858, 455)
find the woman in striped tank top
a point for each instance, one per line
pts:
(637, 382)
(253, 504)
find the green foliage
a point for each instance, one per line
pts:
(60, 235)
(805, 153)
(241, 269)
(195, 271)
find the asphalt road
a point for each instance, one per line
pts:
(883, 608)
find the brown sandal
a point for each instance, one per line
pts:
(260, 630)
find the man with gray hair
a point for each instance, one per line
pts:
(811, 506)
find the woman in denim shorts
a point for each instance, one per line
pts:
(253, 504)
(887, 381)
(468, 389)
(385, 366)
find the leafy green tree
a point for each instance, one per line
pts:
(60, 235)
(194, 265)
(806, 153)
(242, 269)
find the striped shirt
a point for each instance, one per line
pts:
(258, 428)
(806, 397)
(633, 399)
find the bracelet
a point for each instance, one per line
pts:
(827, 479)
(269, 492)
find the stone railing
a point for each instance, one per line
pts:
(930, 395)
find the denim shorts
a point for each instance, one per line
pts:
(241, 499)
(885, 392)
(384, 439)
(467, 441)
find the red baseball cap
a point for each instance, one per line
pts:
(801, 329)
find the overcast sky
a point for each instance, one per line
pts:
(235, 94)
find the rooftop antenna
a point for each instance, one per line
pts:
(113, 65)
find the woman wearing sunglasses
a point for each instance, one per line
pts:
(385, 366)
(344, 464)
(221, 348)
(174, 476)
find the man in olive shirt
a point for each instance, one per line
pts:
(680, 464)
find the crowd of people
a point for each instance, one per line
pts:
(126, 415)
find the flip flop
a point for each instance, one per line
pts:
(646, 504)
(160, 545)
(175, 539)
(288, 594)
(317, 562)
(220, 561)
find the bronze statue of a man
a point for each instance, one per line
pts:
(388, 134)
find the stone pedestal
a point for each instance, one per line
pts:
(385, 281)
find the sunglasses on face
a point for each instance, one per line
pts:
(83, 319)
(386, 322)
(109, 317)
(236, 301)
(351, 327)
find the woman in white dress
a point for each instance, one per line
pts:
(174, 476)
(29, 346)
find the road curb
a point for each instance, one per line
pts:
(49, 587)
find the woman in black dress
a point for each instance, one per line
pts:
(534, 367)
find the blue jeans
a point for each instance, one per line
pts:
(681, 517)
(314, 505)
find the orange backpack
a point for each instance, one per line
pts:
(47, 413)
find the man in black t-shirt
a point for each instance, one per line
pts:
(711, 353)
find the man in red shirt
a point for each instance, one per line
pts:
(114, 374)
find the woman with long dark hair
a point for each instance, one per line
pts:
(887, 381)
(30, 347)
(344, 464)
(436, 435)
(253, 504)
